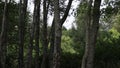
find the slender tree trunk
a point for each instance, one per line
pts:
(34, 32)
(58, 33)
(88, 29)
(66, 12)
(3, 38)
(45, 39)
(37, 27)
(32, 35)
(55, 47)
(52, 37)
(30, 47)
(91, 34)
(22, 20)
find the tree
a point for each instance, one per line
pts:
(22, 21)
(29, 62)
(34, 36)
(57, 40)
(92, 25)
(3, 38)
(46, 4)
(78, 30)
(36, 20)
(57, 24)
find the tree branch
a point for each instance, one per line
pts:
(66, 12)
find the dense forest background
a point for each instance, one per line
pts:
(27, 41)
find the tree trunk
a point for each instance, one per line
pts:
(45, 36)
(37, 27)
(3, 38)
(91, 34)
(52, 37)
(58, 33)
(66, 12)
(33, 26)
(22, 20)
(88, 32)
(34, 32)
(30, 47)
(55, 47)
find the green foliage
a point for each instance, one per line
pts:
(12, 20)
(78, 33)
(116, 21)
(110, 14)
(107, 53)
(66, 44)
(69, 60)
(12, 29)
(107, 50)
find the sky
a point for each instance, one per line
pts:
(70, 19)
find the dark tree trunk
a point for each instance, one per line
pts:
(32, 35)
(34, 32)
(55, 47)
(88, 29)
(22, 20)
(66, 12)
(3, 38)
(52, 36)
(30, 47)
(37, 30)
(45, 35)
(91, 34)
(57, 40)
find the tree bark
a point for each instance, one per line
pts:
(37, 31)
(30, 47)
(22, 20)
(52, 37)
(57, 33)
(91, 34)
(66, 12)
(32, 35)
(88, 29)
(57, 41)
(3, 38)
(45, 35)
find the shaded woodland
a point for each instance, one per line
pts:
(28, 41)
